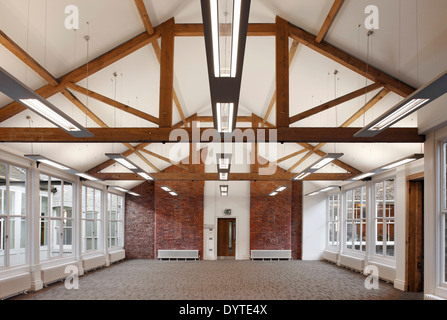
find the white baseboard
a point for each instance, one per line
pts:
(400, 285)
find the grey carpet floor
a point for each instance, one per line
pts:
(222, 280)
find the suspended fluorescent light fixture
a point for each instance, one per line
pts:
(223, 161)
(318, 165)
(223, 165)
(125, 191)
(129, 165)
(169, 190)
(411, 104)
(41, 159)
(389, 166)
(223, 176)
(330, 188)
(87, 176)
(223, 190)
(225, 24)
(19, 92)
(277, 190)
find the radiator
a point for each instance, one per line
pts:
(15, 285)
(352, 263)
(117, 256)
(178, 254)
(93, 263)
(331, 256)
(271, 254)
(53, 274)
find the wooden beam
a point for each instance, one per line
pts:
(145, 160)
(141, 7)
(155, 155)
(358, 114)
(110, 162)
(282, 73)
(371, 103)
(242, 135)
(254, 29)
(166, 73)
(290, 156)
(15, 49)
(350, 61)
(73, 99)
(182, 176)
(81, 73)
(113, 103)
(329, 19)
(331, 104)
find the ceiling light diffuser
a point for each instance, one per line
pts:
(409, 105)
(19, 92)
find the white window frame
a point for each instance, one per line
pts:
(443, 215)
(384, 218)
(50, 218)
(109, 220)
(8, 217)
(331, 222)
(345, 221)
(98, 222)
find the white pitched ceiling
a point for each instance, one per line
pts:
(410, 45)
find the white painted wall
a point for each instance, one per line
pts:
(432, 216)
(238, 201)
(314, 223)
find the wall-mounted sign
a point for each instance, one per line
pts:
(227, 211)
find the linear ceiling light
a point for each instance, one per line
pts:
(125, 191)
(277, 190)
(224, 190)
(129, 165)
(318, 165)
(389, 166)
(322, 190)
(168, 190)
(225, 24)
(19, 92)
(41, 159)
(411, 104)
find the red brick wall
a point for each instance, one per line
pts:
(270, 217)
(179, 219)
(140, 223)
(297, 220)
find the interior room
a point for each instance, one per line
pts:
(180, 149)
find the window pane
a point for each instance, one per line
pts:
(89, 235)
(3, 197)
(43, 190)
(336, 207)
(44, 239)
(18, 186)
(363, 229)
(55, 237)
(336, 224)
(56, 197)
(379, 236)
(120, 208)
(84, 202)
(90, 204)
(97, 204)
(390, 238)
(357, 235)
(2, 241)
(379, 199)
(114, 208)
(17, 238)
(349, 213)
(68, 199)
(349, 235)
